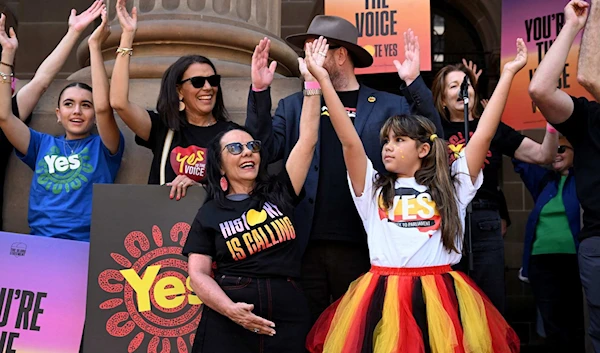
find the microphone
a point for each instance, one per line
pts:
(464, 90)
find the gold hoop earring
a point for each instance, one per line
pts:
(181, 105)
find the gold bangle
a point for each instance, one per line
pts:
(125, 51)
(5, 77)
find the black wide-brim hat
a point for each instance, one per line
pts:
(338, 31)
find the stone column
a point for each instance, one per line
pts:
(226, 31)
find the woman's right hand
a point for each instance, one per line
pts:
(128, 22)
(241, 314)
(9, 42)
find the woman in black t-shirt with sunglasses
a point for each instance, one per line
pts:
(190, 113)
(253, 303)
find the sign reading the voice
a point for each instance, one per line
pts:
(139, 293)
(42, 293)
(381, 25)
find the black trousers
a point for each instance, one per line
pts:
(328, 268)
(558, 294)
(488, 255)
(589, 266)
(276, 299)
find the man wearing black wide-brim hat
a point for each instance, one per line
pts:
(337, 252)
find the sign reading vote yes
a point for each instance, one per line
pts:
(381, 25)
(139, 293)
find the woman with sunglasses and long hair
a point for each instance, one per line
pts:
(550, 249)
(66, 167)
(190, 112)
(253, 303)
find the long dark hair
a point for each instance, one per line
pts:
(439, 87)
(168, 98)
(82, 85)
(267, 188)
(433, 174)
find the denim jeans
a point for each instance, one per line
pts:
(279, 300)
(589, 270)
(488, 255)
(558, 294)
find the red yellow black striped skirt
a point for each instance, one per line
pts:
(412, 310)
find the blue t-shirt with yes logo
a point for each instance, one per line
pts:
(60, 197)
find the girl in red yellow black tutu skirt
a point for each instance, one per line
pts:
(411, 301)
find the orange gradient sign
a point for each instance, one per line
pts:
(538, 22)
(381, 25)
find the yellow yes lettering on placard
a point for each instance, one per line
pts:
(165, 287)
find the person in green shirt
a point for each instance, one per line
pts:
(550, 253)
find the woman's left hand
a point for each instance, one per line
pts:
(179, 186)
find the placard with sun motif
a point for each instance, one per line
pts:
(139, 293)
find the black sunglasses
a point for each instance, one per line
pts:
(563, 148)
(198, 81)
(236, 148)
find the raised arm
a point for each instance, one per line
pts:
(479, 144)
(15, 130)
(29, 95)
(539, 153)
(416, 92)
(105, 119)
(588, 69)
(355, 156)
(205, 287)
(136, 117)
(302, 154)
(556, 105)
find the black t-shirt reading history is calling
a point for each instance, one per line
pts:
(249, 240)
(335, 216)
(188, 151)
(505, 142)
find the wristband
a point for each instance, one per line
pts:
(551, 129)
(312, 85)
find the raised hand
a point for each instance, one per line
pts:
(520, 60)
(128, 22)
(576, 13)
(410, 69)
(473, 68)
(80, 22)
(101, 32)
(315, 54)
(8, 42)
(262, 73)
